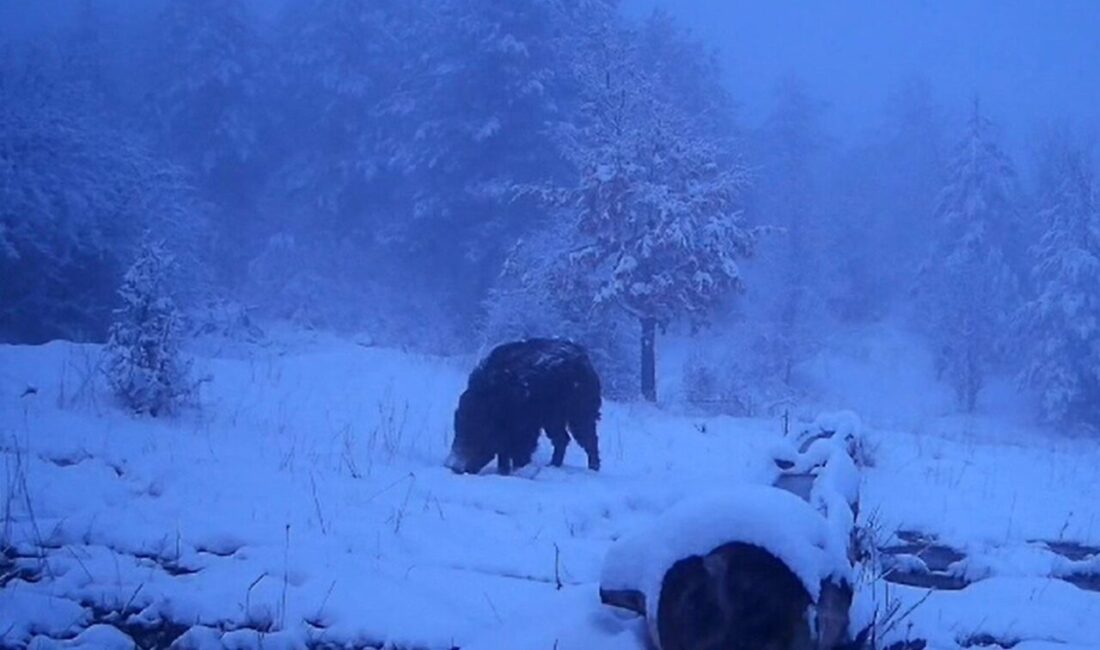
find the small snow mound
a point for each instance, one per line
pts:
(222, 544)
(839, 472)
(783, 454)
(846, 424)
(101, 637)
(842, 426)
(773, 519)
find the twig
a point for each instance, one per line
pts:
(492, 607)
(317, 505)
(286, 571)
(80, 563)
(557, 567)
(248, 594)
(399, 516)
(126, 607)
(893, 619)
(324, 601)
(389, 487)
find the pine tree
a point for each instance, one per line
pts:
(147, 370)
(969, 279)
(1061, 324)
(788, 200)
(910, 172)
(880, 196)
(76, 192)
(422, 119)
(206, 99)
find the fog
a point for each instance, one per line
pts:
(735, 185)
(1031, 61)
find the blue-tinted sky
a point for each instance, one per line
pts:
(1030, 60)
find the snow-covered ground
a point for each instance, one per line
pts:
(305, 505)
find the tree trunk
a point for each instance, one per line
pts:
(649, 359)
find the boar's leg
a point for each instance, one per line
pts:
(559, 437)
(524, 445)
(584, 432)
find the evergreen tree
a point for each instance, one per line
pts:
(969, 282)
(880, 195)
(423, 120)
(1061, 324)
(506, 79)
(206, 96)
(85, 56)
(76, 192)
(787, 199)
(147, 370)
(910, 172)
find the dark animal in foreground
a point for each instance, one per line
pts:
(520, 389)
(741, 597)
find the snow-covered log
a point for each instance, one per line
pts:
(692, 571)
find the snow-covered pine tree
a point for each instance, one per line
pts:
(422, 118)
(656, 205)
(968, 283)
(146, 369)
(206, 89)
(1062, 322)
(208, 111)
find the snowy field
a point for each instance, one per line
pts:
(305, 505)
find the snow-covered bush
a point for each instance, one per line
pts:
(713, 387)
(146, 369)
(743, 376)
(225, 318)
(969, 282)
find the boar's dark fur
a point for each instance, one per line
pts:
(517, 391)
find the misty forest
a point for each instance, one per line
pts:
(266, 264)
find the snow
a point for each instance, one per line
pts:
(1011, 609)
(310, 487)
(96, 637)
(984, 482)
(306, 502)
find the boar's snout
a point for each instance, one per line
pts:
(455, 463)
